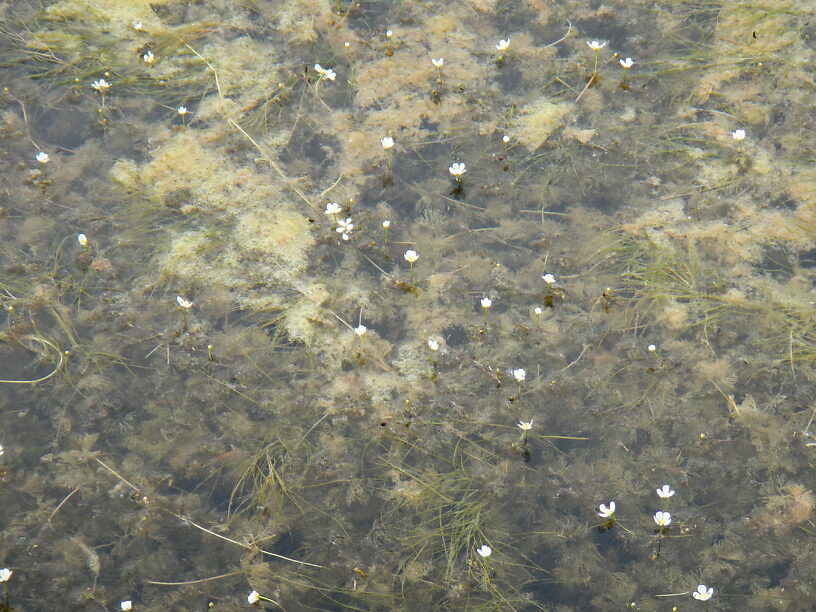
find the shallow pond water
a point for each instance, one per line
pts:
(319, 305)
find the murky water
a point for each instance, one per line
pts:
(263, 333)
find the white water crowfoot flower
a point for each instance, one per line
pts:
(627, 64)
(663, 519)
(703, 593)
(607, 512)
(148, 57)
(739, 136)
(102, 86)
(389, 49)
(388, 144)
(502, 47)
(361, 330)
(333, 209)
(411, 256)
(5, 574)
(519, 374)
(486, 303)
(42, 157)
(344, 227)
(551, 291)
(525, 427)
(185, 305)
(457, 169)
(438, 63)
(325, 73)
(126, 605)
(596, 47)
(385, 225)
(665, 492)
(433, 345)
(484, 551)
(254, 597)
(82, 239)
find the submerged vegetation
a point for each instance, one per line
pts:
(407, 305)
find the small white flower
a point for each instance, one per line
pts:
(606, 511)
(82, 239)
(738, 135)
(505, 139)
(411, 256)
(702, 593)
(347, 44)
(389, 33)
(2, 450)
(663, 519)
(332, 208)
(148, 57)
(387, 142)
(651, 348)
(549, 279)
(182, 110)
(360, 330)
(184, 302)
(386, 224)
(126, 605)
(486, 302)
(538, 310)
(438, 62)
(519, 374)
(484, 551)
(503, 45)
(525, 425)
(595, 45)
(325, 73)
(627, 63)
(101, 85)
(253, 598)
(433, 345)
(664, 492)
(457, 169)
(5, 574)
(344, 227)
(137, 25)
(42, 157)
